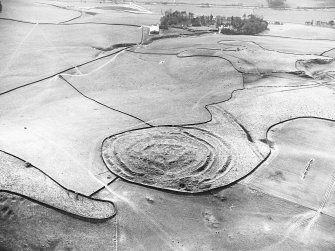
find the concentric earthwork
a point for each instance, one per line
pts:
(173, 158)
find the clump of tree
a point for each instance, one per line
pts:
(184, 19)
(250, 25)
(276, 3)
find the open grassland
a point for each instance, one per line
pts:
(295, 16)
(250, 58)
(28, 225)
(160, 89)
(119, 17)
(216, 2)
(36, 51)
(55, 128)
(287, 16)
(198, 10)
(301, 168)
(236, 218)
(22, 178)
(281, 103)
(211, 41)
(290, 3)
(89, 111)
(330, 53)
(301, 31)
(30, 11)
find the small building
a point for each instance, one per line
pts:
(213, 28)
(227, 24)
(154, 29)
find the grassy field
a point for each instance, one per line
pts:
(285, 45)
(172, 91)
(21, 177)
(296, 16)
(257, 54)
(287, 16)
(187, 113)
(301, 31)
(34, 52)
(28, 225)
(330, 53)
(53, 127)
(35, 12)
(236, 218)
(248, 57)
(290, 3)
(216, 2)
(301, 168)
(281, 103)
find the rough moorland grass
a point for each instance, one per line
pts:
(56, 129)
(300, 169)
(28, 181)
(31, 52)
(26, 224)
(162, 89)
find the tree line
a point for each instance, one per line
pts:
(248, 25)
(276, 3)
(184, 19)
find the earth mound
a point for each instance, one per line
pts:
(174, 158)
(318, 68)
